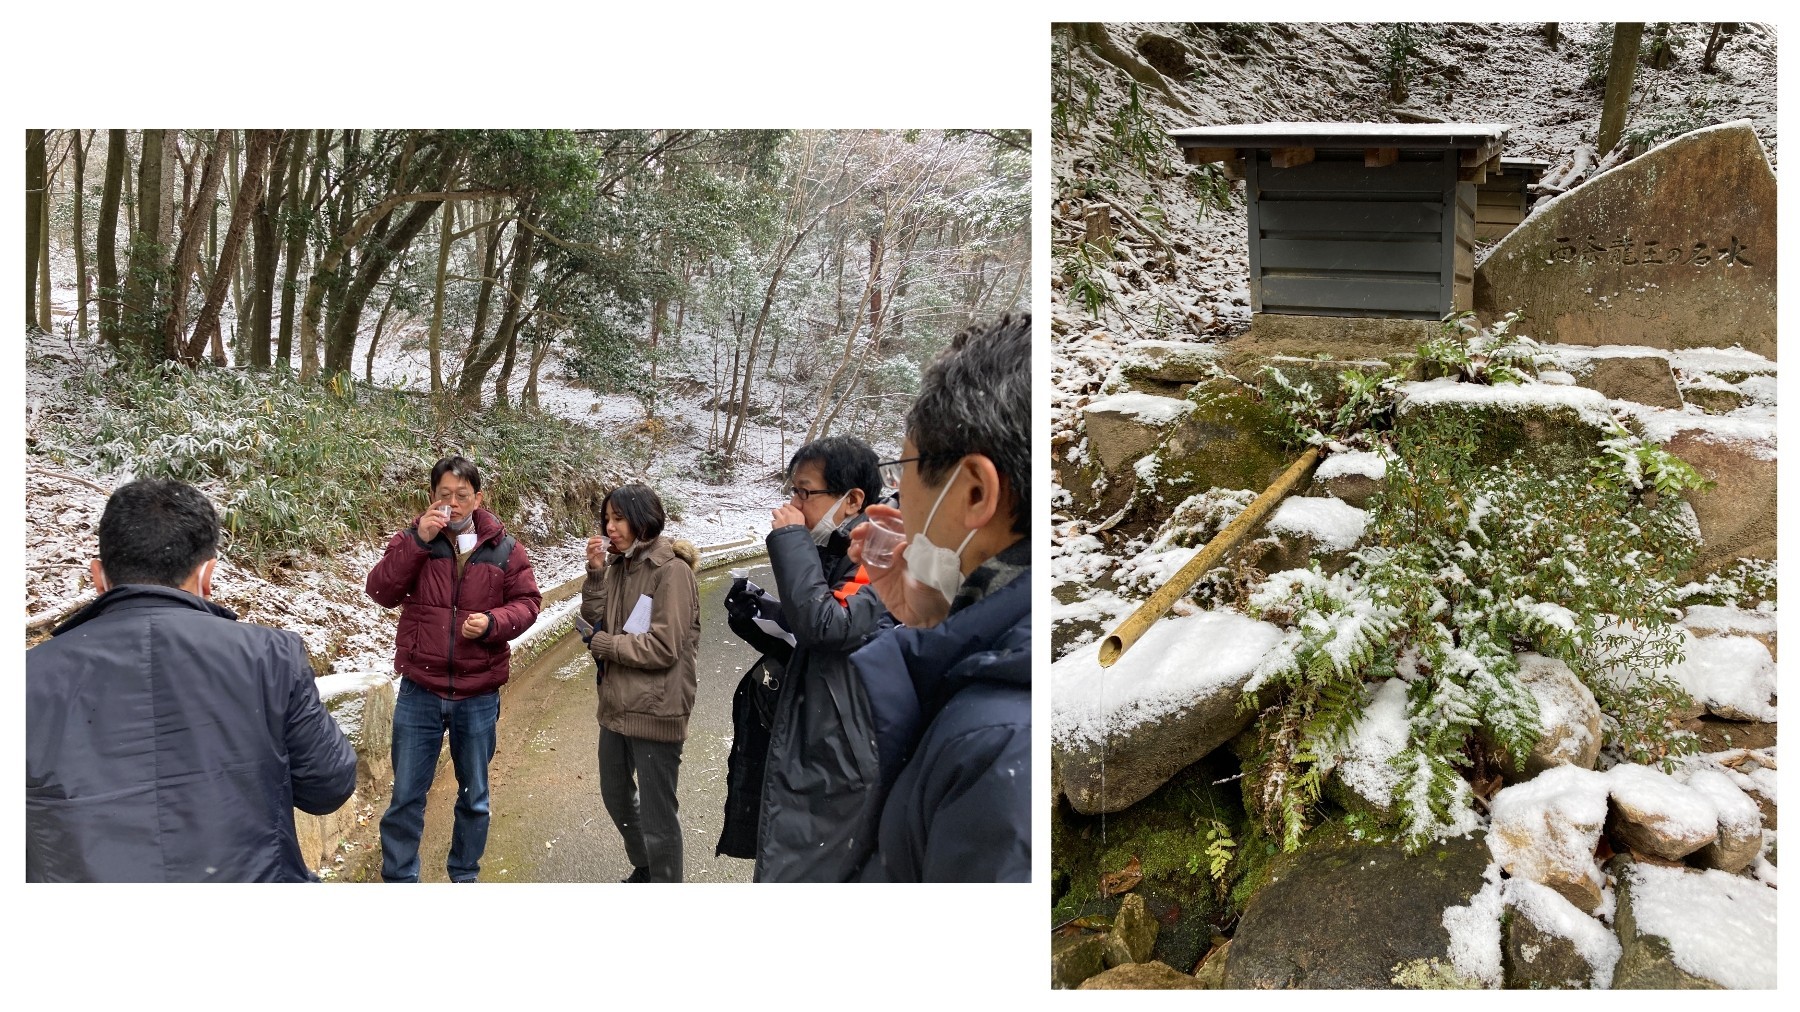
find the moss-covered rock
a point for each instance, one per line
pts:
(1166, 833)
(1230, 440)
(1533, 426)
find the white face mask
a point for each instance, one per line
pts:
(933, 565)
(821, 531)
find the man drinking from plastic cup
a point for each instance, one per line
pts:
(951, 693)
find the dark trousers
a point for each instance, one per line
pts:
(420, 722)
(637, 783)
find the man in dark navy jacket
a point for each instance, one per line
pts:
(165, 740)
(951, 693)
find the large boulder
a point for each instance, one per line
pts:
(1531, 425)
(1230, 440)
(1166, 364)
(1550, 944)
(1568, 713)
(1740, 836)
(1737, 514)
(1671, 250)
(1547, 828)
(1655, 814)
(1723, 620)
(1354, 477)
(1344, 915)
(1629, 373)
(1120, 733)
(1124, 427)
(1689, 929)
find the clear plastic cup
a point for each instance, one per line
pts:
(885, 535)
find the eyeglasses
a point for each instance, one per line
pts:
(893, 470)
(806, 493)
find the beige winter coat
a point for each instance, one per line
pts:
(647, 690)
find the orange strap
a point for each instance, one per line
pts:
(851, 586)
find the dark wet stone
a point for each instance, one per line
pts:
(1343, 915)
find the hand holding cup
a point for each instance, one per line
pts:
(435, 517)
(598, 547)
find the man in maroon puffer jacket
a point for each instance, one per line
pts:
(465, 590)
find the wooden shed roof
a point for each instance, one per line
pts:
(1343, 135)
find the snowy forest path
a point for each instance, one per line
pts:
(548, 824)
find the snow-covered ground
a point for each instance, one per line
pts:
(325, 602)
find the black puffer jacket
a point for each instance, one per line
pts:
(166, 741)
(819, 798)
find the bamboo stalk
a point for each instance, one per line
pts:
(1215, 551)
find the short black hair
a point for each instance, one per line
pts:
(848, 463)
(156, 530)
(462, 467)
(976, 398)
(641, 508)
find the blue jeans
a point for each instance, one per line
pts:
(420, 720)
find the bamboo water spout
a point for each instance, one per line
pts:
(1215, 551)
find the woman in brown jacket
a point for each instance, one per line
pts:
(643, 600)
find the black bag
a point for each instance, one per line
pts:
(752, 714)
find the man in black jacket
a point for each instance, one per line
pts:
(166, 741)
(951, 693)
(819, 798)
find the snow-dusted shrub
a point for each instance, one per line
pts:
(1467, 566)
(312, 467)
(1361, 400)
(1477, 354)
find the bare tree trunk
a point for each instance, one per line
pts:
(81, 278)
(503, 382)
(263, 255)
(469, 385)
(309, 328)
(187, 254)
(484, 297)
(107, 238)
(256, 166)
(129, 185)
(165, 194)
(1627, 35)
(144, 270)
(1714, 43)
(36, 194)
(296, 243)
(437, 299)
(43, 255)
(1551, 34)
(375, 338)
(528, 398)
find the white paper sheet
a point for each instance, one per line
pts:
(639, 622)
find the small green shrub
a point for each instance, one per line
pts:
(1467, 351)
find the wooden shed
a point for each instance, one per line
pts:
(1503, 201)
(1357, 219)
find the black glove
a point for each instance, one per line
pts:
(740, 599)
